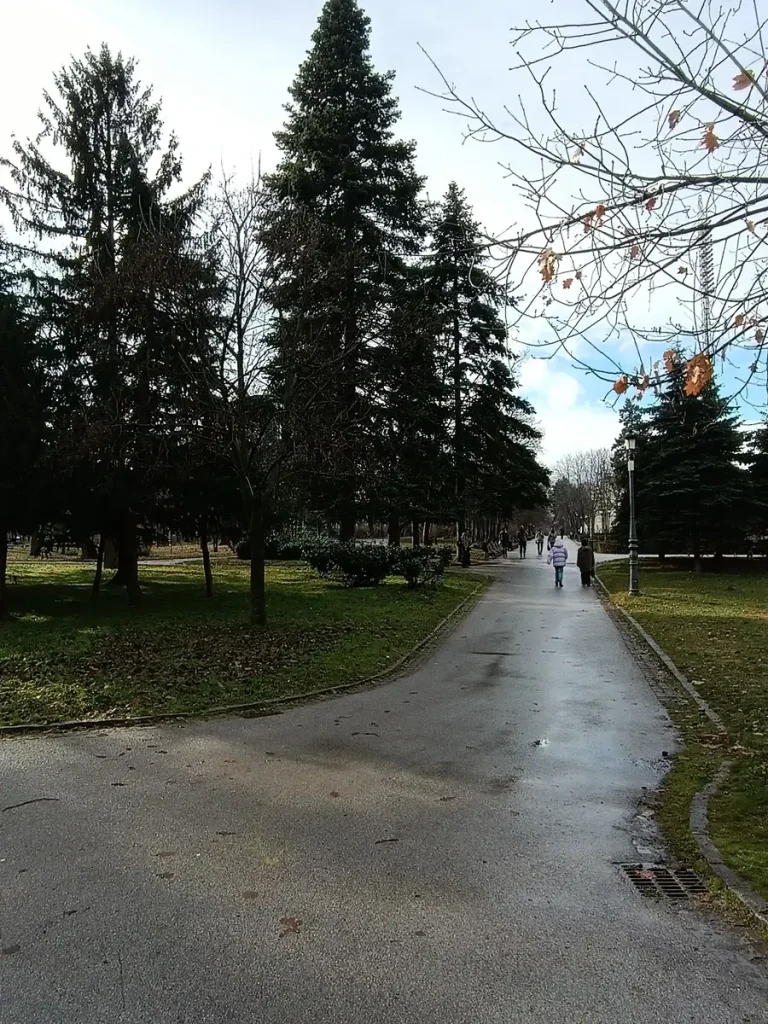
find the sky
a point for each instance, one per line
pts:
(223, 67)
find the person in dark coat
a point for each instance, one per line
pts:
(585, 562)
(504, 540)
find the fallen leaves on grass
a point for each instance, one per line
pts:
(135, 672)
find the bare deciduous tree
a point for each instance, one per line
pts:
(646, 181)
(584, 496)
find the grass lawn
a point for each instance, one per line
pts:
(62, 657)
(715, 628)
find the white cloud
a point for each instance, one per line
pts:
(569, 419)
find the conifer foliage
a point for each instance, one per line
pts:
(347, 191)
(322, 345)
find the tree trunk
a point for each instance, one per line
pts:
(96, 586)
(458, 412)
(393, 531)
(88, 550)
(416, 533)
(427, 533)
(347, 525)
(3, 571)
(127, 574)
(258, 581)
(206, 561)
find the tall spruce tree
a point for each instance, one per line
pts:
(492, 437)
(407, 460)
(23, 401)
(633, 424)
(93, 193)
(346, 196)
(692, 494)
(757, 461)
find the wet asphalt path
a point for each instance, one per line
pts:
(443, 868)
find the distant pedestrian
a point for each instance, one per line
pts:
(558, 556)
(504, 540)
(551, 539)
(522, 540)
(585, 562)
(539, 542)
(466, 547)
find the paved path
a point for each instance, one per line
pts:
(444, 868)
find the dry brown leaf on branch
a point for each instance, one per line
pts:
(643, 385)
(751, 226)
(710, 141)
(670, 360)
(682, 270)
(673, 120)
(567, 282)
(547, 264)
(577, 275)
(634, 251)
(698, 373)
(743, 80)
(599, 211)
(759, 334)
(739, 321)
(620, 385)
(651, 203)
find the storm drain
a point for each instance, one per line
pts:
(657, 882)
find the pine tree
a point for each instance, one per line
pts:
(492, 439)
(102, 223)
(23, 399)
(346, 218)
(757, 461)
(407, 462)
(633, 424)
(692, 494)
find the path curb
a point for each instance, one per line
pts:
(699, 826)
(264, 707)
(698, 818)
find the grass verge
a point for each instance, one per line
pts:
(62, 657)
(715, 628)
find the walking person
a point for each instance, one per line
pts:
(466, 548)
(558, 556)
(551, 539)
(539, 542)
(504, 540)
(585, 562)
(522, 540)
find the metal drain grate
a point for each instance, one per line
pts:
(657, 882)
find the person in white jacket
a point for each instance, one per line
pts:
(558, 556)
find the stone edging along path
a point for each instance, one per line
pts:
(258, 708)
(698, 820)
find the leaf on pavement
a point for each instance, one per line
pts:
(291, 926)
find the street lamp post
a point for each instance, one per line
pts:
(634, 581)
